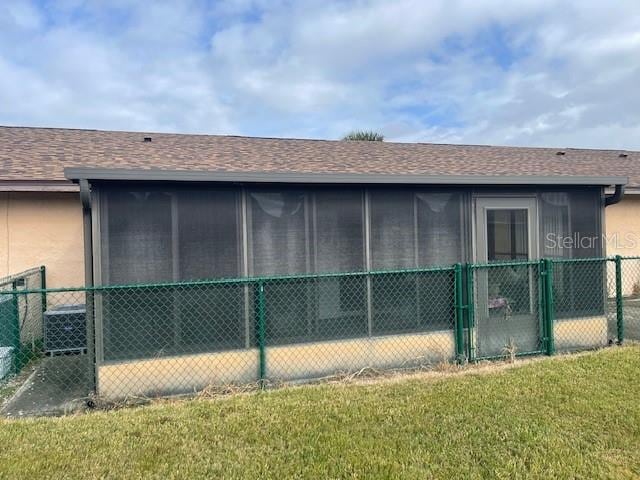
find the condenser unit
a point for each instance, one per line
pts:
(6, 361)
(65, 329)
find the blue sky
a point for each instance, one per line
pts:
(527, 72)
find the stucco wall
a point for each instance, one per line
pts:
(623, 238)
(42, 228)
(623, 227)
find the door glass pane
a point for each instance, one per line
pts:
(507, 235)
(508, 240)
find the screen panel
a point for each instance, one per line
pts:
(156, 234)
(279, 232)
(570, 228)
(339, 230)
(339, 247)
(570, 223)
(209, 234)
(439, 219)
(137, 240)
(392, 229)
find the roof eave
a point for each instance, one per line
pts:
(76, 174)
(37, 186)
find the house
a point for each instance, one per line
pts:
(171, 208)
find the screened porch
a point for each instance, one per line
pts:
(174, 232)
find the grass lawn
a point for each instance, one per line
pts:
(575, 417)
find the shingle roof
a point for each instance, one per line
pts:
(41, 154)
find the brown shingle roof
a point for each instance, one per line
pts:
(41, 154)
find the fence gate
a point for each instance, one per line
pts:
(509, 318)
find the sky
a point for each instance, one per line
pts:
(557, 73)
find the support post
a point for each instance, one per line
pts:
(459, 313)
(261, 334)
(15, 329)
(43, 287)
(471, 315)
(619, 303)
(548, 305)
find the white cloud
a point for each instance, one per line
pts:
(479, 71)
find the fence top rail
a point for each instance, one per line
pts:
(583, 260)
(518, 263)
(514, 263)
(631, 257)
(233, 281)
(9, 279)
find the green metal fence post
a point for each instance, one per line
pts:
(619, 304)
(15, 329)
(470, 315)
(261, 333)
(459, 315)
(43, 287)
(549, 306)
(542, 320)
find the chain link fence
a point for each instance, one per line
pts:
(583, 310)
(507, 304)
(123, 342)
(630, 296)
(21, 320)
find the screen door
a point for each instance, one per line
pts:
(506, 287)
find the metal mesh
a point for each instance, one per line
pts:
(508, 317)
(149, 322)
(630, 297)
(62, 363)
(181, 338)
(581, 307)
(20, 320)
(321, 326)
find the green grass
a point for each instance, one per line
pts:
(577, 417)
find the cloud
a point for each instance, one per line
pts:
(534, 72)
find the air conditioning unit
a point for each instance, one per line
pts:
(65, 329)
(7, 334)
(6, 361)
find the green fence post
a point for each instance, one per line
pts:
(15, 329)
(459, 315)
(619, 304)
(43, 287)
(542, 320)
(261, 333)
(470, 314)
(549, 306)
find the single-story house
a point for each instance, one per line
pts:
(167, 207)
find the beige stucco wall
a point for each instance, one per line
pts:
(622, 222)
(42, 228)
